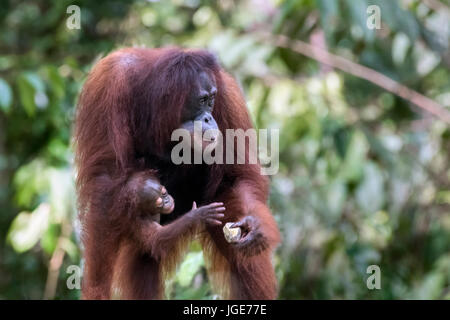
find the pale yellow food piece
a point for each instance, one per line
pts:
(231, 234)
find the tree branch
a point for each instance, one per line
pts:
(359, 71)
(56, 263)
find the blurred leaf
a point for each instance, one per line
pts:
(336, 196)
(57, 83)
(61, 194)
(30, 180)
(26, 95)
(35, 81)
(190, 266)
(68, 246)
(354, 157)
(27, 228)
(400, 46)
(370, 193)
(342, 140)
(50, 237)
(5, 96)
(431, 287)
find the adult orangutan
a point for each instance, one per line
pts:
(134, 232)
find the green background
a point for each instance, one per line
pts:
(364, 175)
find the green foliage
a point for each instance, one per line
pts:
(364, 175)
(5, 95)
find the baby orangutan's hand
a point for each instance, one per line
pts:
(211, 214)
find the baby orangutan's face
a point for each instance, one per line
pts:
(155, 197)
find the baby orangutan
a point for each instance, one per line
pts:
(149, 240)
(153, 199)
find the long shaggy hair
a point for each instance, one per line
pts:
(128, 108)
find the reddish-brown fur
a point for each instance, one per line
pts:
(124, 121)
